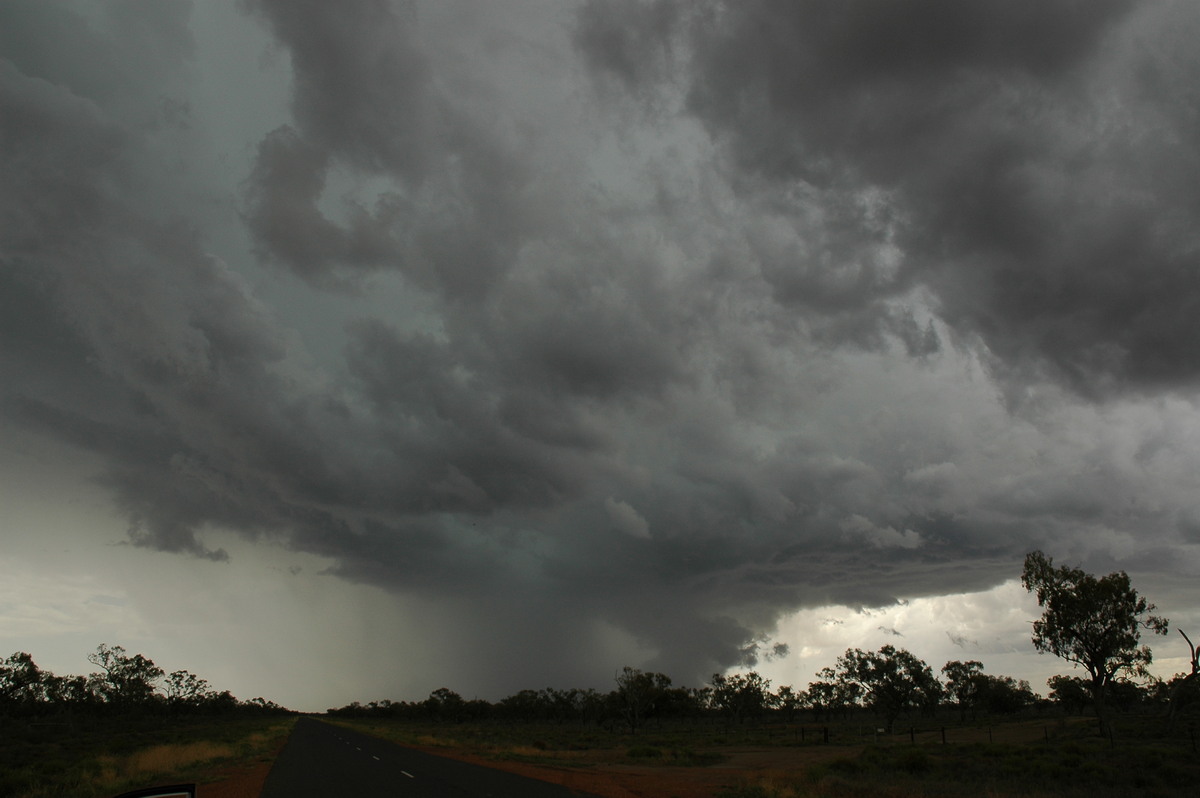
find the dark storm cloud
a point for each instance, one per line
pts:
(136, 344)
(415, 473)
(610, 379)
(364, 100)
(361, 83)
(1040, 159)
(630, 40)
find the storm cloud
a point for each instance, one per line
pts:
(1035, 166)
(615, 331)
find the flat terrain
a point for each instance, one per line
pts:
(96, 756)
(233, 758)
(1033, 757)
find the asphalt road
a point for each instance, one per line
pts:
(329, 761)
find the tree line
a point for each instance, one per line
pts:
(1093, 623)
(889, 682)
(125, 683)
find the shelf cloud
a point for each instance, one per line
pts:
(646, 321)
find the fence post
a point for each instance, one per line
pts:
(912, 735)
(943, 735)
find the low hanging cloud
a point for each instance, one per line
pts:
(626, 518)
(857, 527)
(637, 322)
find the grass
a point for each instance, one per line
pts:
(561, 745)
(96, 757)
(1087, 768)
(1034, 757)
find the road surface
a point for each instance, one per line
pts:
(325, 761)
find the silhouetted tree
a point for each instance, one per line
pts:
(524, 705)
(963, 683)
(21, 682)
(787, 701)
(1091, 622)
(740, 696)
(974, 690)
(588, 705)
(1004, 695)
(445, 705)
(832, 694)
(125, 682)
(1070, 692)
(638, 694)
(185, 690)
(73, 692)
(893, 680)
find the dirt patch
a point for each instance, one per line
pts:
(244, 780)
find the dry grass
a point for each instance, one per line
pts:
(185, 760)
(777, 785)
(437, 742)
(158, 760)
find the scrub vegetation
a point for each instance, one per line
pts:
(127, 725)
(872, 723)
(883, 721)
(1041, 750)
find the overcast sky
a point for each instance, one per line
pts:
(351, 350)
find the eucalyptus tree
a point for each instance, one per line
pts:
(1092, 622)
(185, 689)
(832, 694)
(893, 680)
(741, 695)
(126, 680)
(964, 683)
(21, 681)
(788, 701)
(1069, 692)
(638, 695)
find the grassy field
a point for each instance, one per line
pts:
(1070, 769)
(1029, 757)
(1047, 756)
(97, 757)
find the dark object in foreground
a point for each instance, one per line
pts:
(171, 791)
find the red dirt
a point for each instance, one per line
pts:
(240, 781)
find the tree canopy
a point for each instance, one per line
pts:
(1095, 623)
(125, 683)
(893, 680)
